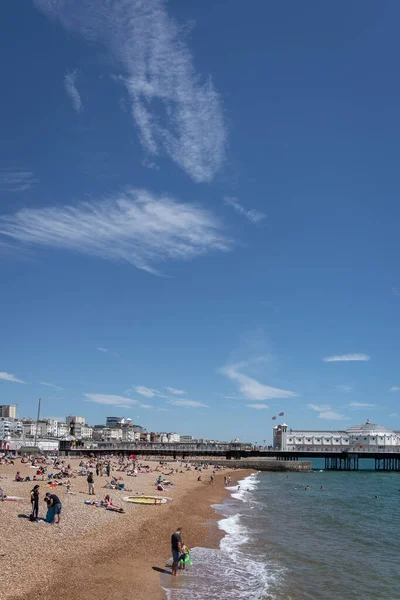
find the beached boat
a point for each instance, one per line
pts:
(146, 500)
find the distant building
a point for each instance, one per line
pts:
(359, 437)
(63, 430)
(80, 431)
(115, 422)
(72, 419)
(34, 429)
(186, 439)
(8, 411)
(10, 427)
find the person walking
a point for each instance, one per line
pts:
(97, 469)
(35, 502)
(176, 547)
(108, 469)
(90, 481)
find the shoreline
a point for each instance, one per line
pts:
(118, 555)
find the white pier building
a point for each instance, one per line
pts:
(367, 436)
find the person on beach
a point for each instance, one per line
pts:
(185, 558)
(90, 481)
(54, 502)
(97, 469)
(176, 546)
(108, 469)
(35, 502)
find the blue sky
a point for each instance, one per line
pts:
(198, 207)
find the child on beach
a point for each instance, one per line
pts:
(184, 558)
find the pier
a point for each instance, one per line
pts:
(335, 459)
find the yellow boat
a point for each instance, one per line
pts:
(146, 500)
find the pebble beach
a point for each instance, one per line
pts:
(95, 551)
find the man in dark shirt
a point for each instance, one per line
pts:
(176, 546)
(54, 500)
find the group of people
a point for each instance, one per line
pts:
(53, 504)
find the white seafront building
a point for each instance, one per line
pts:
(364, 437)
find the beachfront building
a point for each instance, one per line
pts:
(8, 411)
(115, 422)
(169, 438)
(186, 439)
(73, 419)
(80, 431)
(9, 428)
(364, 436)
(33, 428)
(63, 430)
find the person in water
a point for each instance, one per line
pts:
(184, 558)
(176, 546)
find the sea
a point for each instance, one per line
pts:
(324, 535)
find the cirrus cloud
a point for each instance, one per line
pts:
(250, 387)
(72, 90)
(175, 391)
(187, 403)
(257, 406)
(332, 416)
(347, 357)
(9, 377)
(176, 111)
(110, 400)
(148, 392)
(135, 226)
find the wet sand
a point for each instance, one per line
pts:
(94, 552)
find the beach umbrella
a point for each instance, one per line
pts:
(133, 457)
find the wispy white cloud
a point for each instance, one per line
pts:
(111, 400)
(346, 357)
(393, 414)
(344, 388)
(51, 385)
(102, 349)
(230, 397)
(319, 407)
(361, 405)
(176, 111)
(17, 180)
(148, 392)
(147, 406)
(252, 215)
(10, 377)
(187, 403)
(325, 412)
(72, 90)
(175, 391)
(250, 387)
(135, 226)
(257, 406)
(394, 388)
(332, 416)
